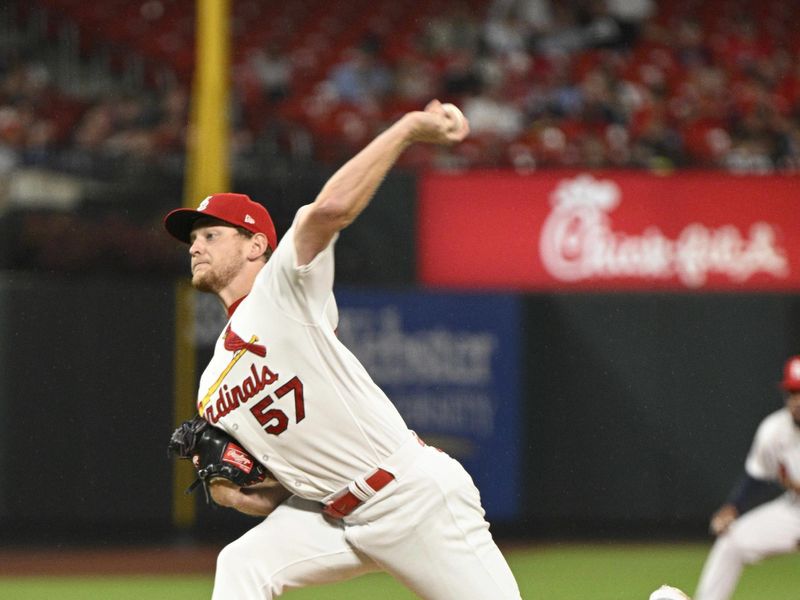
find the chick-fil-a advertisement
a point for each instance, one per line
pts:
(604, 231)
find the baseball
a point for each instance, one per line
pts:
(452, 111)
(666, 592)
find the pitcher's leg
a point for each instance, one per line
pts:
(295, 546)
(429, 532)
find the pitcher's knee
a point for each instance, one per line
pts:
(232, 557)
(256, 570)
(236, 567)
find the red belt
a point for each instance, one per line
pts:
(343, 505)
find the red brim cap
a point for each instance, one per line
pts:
(791, 375)
(790, 386)
(235, 209)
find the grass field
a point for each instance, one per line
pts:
(551, 572)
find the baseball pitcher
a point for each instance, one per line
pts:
(345, 486)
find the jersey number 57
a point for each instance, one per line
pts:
(275, 420)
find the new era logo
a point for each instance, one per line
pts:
(249, 219)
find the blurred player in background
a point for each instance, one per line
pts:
(774, 527)
(358, 490)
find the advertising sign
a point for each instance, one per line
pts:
(450, 363)
(610, 231)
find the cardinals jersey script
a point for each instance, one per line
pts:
(283, 385)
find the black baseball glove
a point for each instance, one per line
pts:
(214, 454)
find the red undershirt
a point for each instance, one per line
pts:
(232, 308)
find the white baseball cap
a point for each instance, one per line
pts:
(666, 592)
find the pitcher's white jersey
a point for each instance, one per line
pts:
(289, 391)
(776, 445)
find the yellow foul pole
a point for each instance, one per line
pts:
(207, 172)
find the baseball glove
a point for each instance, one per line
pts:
(214, 454)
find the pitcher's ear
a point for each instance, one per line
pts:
(258, 246)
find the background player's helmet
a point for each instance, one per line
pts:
(791, 375)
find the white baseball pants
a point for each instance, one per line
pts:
(426, 528)
(771, 529)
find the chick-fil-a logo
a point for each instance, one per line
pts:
(578, 242)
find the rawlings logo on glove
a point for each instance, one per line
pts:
(238, 457)
(214, 454)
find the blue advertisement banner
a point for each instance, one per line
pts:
(450, 363)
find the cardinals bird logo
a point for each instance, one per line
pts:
(234, 343)
(238, 346)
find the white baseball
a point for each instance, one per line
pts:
(455, 114)
(666, 592)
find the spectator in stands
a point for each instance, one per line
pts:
(173, 115)
(10, 130)
(579, 27)
(537, 14)
(491, 114)
(623, 82)
(361, 78)
(507, 33)
(453, 31)
(691, 48)
(273, 71)
(630, 15)
(460, 74)
(415, 80)
(658, 147)
(600, 103)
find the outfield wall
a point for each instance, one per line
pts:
(604, 414)
(606, 390)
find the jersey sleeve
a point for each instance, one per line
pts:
(762, 460)
(332, 313)
(304, 292)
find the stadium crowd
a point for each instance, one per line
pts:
(583, 83)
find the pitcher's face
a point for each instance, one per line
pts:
(218, 254)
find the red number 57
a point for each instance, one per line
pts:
(275, 420)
